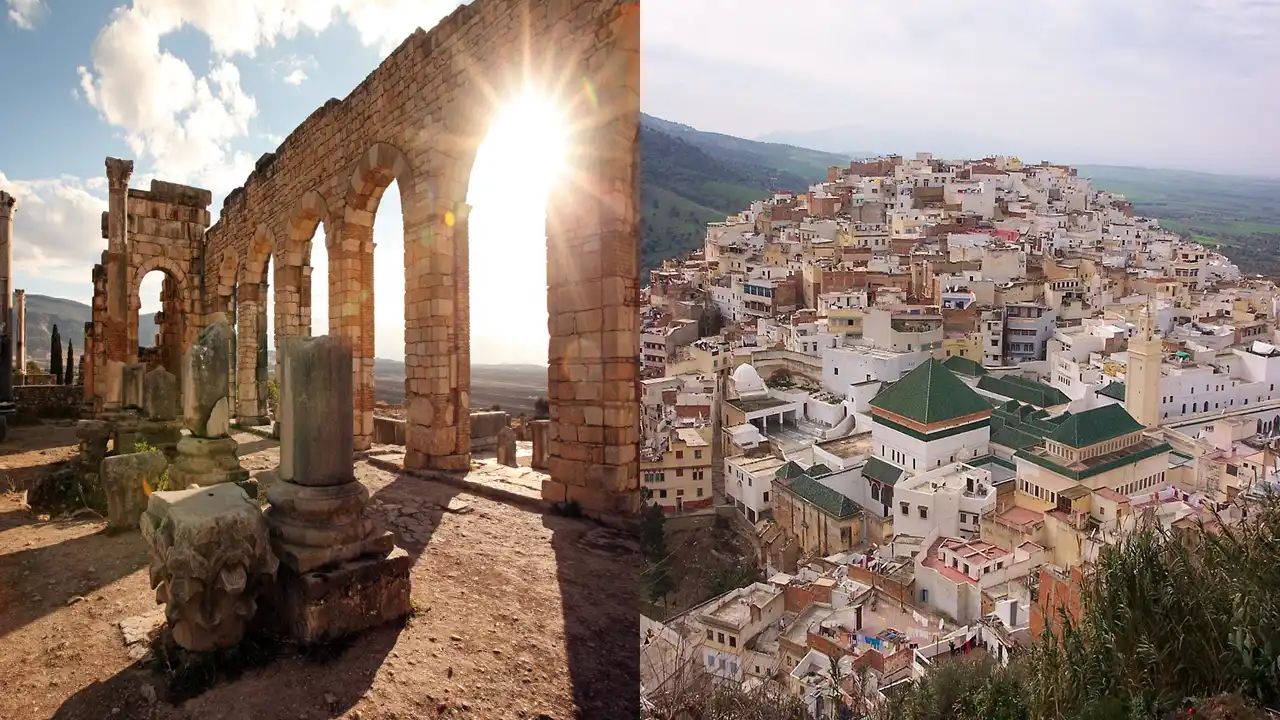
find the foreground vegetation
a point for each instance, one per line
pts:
(1166, 629)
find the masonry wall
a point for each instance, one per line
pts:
(47, 402)
(419, 119)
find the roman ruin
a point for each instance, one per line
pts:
(418, 119)
(7, 206)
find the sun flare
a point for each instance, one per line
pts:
(520, 160)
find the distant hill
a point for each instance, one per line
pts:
(43, 312)
(690, 177)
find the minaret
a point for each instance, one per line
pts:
(1142, 377)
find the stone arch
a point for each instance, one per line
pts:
(251, 329)
(177, 326)
(351, 286)
(422, 114)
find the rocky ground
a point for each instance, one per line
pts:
(518, 614)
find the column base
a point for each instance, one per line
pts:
(254, 421)
(346, 598)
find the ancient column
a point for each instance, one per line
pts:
(208, 455)
(7, 206)
(20, 332)
(116, 336)
(340, 573)
(86, 366)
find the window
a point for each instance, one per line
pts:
(836, 371)
(720, 637)
(679, 472)
(710, 635)
(733, 641)
(680, 492)
(905, 507)
(766, 496)
(697, 454)
(875, 490)
(679, 454)
(662, 493)
(924, 513)
(699, 492)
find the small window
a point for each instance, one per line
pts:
(679, 454)
(924, 513)
(905, 507)
(710, 635)
(697, 454)
(720, 637)
(733, 641)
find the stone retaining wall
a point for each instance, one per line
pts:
(47, 402)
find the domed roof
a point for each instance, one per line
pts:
(747, 380)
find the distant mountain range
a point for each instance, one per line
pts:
(44, 312)
(690, 177)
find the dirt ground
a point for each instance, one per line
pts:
(517, 614)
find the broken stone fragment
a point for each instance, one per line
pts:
(160, 395)
(205, 369)
(128, 480)
(211, 560)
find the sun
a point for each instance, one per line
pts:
(521, 159)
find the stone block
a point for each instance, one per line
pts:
(540, 434)
(349, 597)
(205, 462)
(211, 561)
(160, 395)
(131, 385)
(389, 431)
(317, 438)
(507, 447)
(486, 424)
(128, 480)
(205, 369)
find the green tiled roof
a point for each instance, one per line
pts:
(929, 394)
(818, 470)
(879, 470)
(788, 470)
(964, 366)
(1113, 390)
(1027, 391)
(824, 498)
(1013, 438)
(1094, 426)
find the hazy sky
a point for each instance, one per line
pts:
(1192, 84)
(194, 92)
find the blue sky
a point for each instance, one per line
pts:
(1187, 84)
(194, 92)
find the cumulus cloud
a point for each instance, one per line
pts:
(57, 229)
(1151, 80)
(26, 14)
(181, 124)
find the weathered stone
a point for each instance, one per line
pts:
(350, 597)
(211, 561)
(316, 444)
(160, 395)
(485, 426)
(507, 447)
(540, 434)
(204, 382)
(128, 480)
(388, 431)
(131, 385)
(206, 461)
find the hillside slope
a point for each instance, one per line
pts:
(43, 312)
(690, 178)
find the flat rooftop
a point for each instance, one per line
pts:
(750, 405)
(735, 610)
(849, 446)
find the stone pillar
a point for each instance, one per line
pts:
(339, 572)
(208, 455)
(8, 205)
(116, 332)
(20, 332)
(539, 433)
(87, 366)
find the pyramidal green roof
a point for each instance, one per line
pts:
(929, 394)
(1094, 426)
(829, 501)
(964, 366)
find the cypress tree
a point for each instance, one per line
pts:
(55, 354)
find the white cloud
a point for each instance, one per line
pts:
(183, 125)
(57, 230)
(26, 14)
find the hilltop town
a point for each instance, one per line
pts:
(927, 394)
